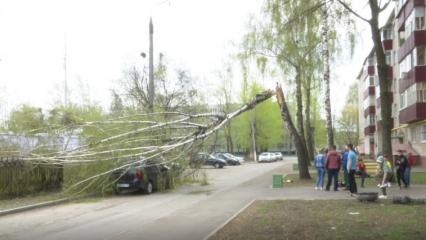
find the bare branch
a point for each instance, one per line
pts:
(346, 6)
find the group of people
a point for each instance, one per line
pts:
(330, 162)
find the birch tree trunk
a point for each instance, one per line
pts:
(326, 74)
(309, 131)
(299, 106)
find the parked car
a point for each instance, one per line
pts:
(240, 159)
(278, 156)
(144, 177)
(266, 157)
(199, 159)
(230, 160)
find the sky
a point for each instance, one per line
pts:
(102, 38)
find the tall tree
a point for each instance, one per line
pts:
(384, 85)
(326, 72)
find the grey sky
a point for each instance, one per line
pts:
(104, 37)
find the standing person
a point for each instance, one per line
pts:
(319, 163)
(351, 167)
(332, 164)
(345, 171)
(362, 170)
(387, 176)
(401, 165)
(410, 162)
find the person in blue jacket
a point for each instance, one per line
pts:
(319, 163)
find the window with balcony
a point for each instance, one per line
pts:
(371, 119)
(387, 33)
(403, 100)
(421, 56)
(371, 80)
(421, 91)
(413, 135)
(423, 133)
(388, 58)
(419, 18)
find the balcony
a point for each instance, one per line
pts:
(413, 113)
(415, 75)
(405, 11)
(369, 110)
(369, 130)
(370, 70)
(387, 44)
(417, 38)
(370, 91)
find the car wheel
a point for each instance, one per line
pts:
(149, 188)
(216, 165)
(221, 166)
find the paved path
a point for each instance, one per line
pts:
(192, 212)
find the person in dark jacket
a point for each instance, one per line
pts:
(401, 164)
(332, 164)
(344, 164)
(410, 163)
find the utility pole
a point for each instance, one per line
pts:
(65, 75)
(151, 67)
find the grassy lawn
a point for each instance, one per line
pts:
(326, 219)
(416, 178)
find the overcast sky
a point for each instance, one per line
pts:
(104, 37)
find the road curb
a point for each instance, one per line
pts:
(229, 220)
(36, 206)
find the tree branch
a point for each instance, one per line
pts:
(346, 6)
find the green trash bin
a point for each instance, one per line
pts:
(277, 181)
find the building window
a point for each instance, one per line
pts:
(402, 100)
(413, 135)
(421, 55)
(372, 119)
(423, 133)
(388, 58)
(371, 81)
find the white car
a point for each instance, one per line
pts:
(278, 156)
(267, 157)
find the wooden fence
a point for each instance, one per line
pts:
(19, 177)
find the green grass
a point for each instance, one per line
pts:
(326, 219)
(417, 178)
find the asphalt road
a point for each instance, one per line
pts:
(190, 212)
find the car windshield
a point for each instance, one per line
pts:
(264, 154)
(228, 155)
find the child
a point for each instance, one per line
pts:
(361, 170)
(387, 176)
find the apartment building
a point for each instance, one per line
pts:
(404, 43)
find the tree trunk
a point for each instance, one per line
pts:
(301, 151)
(253, 137)
(309, 131)
(326, 75)
(228, 137)
(384, 83)
(299, 106)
